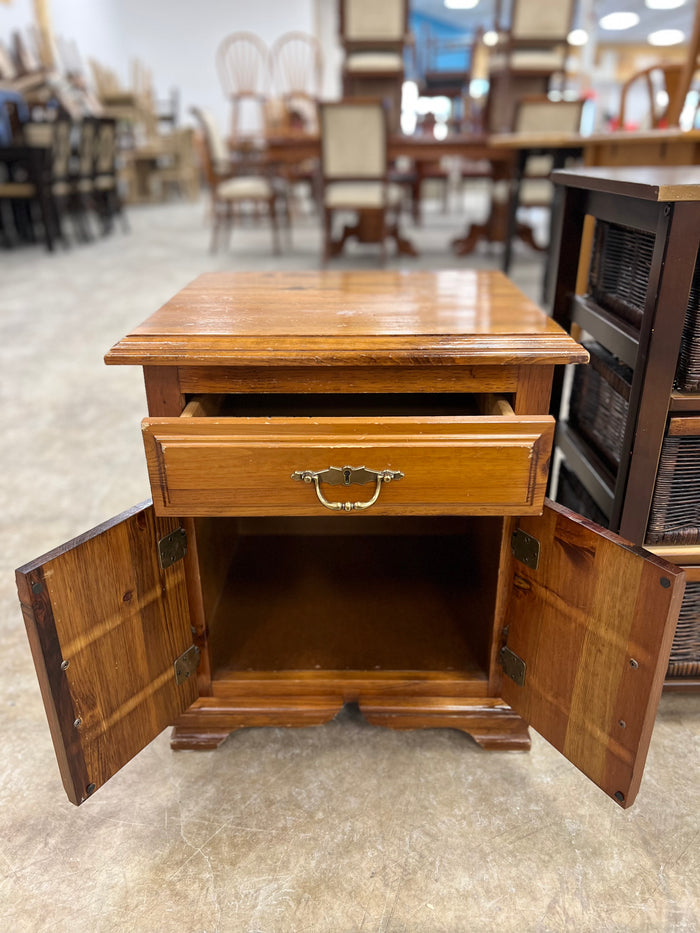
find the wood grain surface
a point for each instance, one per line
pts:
(105, 625)
(458, 465)
(594, 624)
(354, 319)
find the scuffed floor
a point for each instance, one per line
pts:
(332, 829)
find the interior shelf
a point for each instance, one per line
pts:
(685, 401)
(616, 335)
(359, 602)
(590, 469)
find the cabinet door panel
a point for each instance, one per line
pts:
(105, 624)
(594, 625)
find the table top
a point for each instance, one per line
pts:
(349, 318)
(650, 183)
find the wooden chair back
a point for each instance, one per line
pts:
(8, 70)
(655, 78)
(215, 158)
(296, 66)
(60, 150)
(242, 65)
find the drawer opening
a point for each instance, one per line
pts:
(354, 405)
(284, 596)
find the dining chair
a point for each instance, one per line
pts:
(32, 171)
(355, 173)
(106, 198)
(373, 35)
(242, 65)
(296, 69)
(532, 49)
(234, 186)
(539, 116)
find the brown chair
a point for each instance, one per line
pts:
(535, 116)
(664, 76)
(33, 176)
(242, 65)
(233, 186)
(373, 35)
(355, 173)
(531, 50)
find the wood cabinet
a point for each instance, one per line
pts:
(348, 475)
(631, 439)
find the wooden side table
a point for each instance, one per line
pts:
(348, 475)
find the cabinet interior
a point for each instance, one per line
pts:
(349, 594)
(349, 405)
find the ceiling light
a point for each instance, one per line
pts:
(664, 4)
(491, 37)
(666, 37)
(619, 21)
(577, 37)
(461, 4)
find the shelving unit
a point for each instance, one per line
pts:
(627, 275)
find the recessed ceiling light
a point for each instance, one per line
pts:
(577, 37)
(664, 4)
(490, 37)
(666, 37)
(621, 20)
(461, 4)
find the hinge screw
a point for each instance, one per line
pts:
(78, 722)
(64, 665)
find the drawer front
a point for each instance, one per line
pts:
(244, 466)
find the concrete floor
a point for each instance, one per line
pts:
(333, 829)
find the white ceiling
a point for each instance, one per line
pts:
(650, 20)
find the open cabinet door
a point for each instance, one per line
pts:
(589, 632)
(108, 624)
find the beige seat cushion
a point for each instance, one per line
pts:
(17, 189)
(533, 191)
(105, 182)
(536, 191)
(359, 194)
(374, 61)
(244, 188)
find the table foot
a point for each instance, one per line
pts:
(465, 245)
(490, 722)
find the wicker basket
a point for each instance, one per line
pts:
(618, 278)
(688, 374)
(572, 493)
(675, 508)
(685, 652)
(600, 402)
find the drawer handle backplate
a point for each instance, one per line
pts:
(347, 476)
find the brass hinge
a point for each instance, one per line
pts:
(513, 666)
(525, 548)
(186, 664)
(172, 548)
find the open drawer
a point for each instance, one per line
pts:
(351, 459)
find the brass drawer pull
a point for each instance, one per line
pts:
(347, 476)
